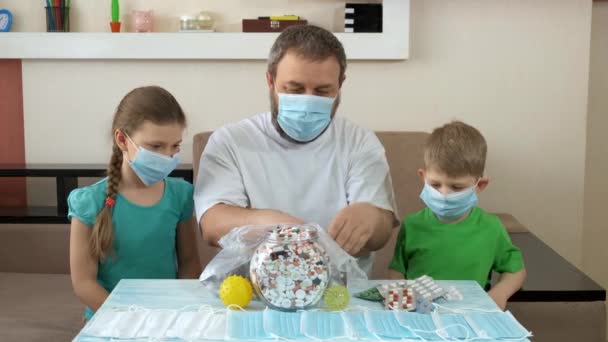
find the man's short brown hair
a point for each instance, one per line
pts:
(308, 41)
(456, 149)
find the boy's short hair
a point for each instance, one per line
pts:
(456, 149)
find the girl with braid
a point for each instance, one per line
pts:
(136, 223)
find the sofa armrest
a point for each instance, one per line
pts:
(511, 223)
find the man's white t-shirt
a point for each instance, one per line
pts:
(248, 164)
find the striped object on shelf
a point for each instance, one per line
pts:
(362, 18)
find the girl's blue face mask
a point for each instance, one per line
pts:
(152, 167)
(304, 117)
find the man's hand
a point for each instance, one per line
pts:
(358, 224)
(222, 218)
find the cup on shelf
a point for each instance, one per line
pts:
(57, 18)
(143, 21)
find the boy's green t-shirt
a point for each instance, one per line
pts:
(466, 250)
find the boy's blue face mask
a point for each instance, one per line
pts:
(451, 206)
(304, 117)
(152, 167)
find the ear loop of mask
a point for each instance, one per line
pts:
(468, 338)
(464, 310)
(440, 331)
(137, 148)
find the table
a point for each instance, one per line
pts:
(176, 294)
(66, 179)
(551, 278)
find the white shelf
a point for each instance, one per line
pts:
(392, 44)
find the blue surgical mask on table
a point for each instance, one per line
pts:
(304, 117)
(323, 325)
(421, 324)
(206, 323)
(152, 167)
(356, 325)
(284, 325)
(497, 325)
(451, 206)
(246, 325)
(454, 326)
(384, 324)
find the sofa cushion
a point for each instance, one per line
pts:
(35, 248)
(38, 307)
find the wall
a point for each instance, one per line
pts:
(595, 233)
(517, 69)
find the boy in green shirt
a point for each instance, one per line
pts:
(452, 238)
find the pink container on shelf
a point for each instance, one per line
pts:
(143, 21)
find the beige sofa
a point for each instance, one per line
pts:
(37, 302)
(36, 298)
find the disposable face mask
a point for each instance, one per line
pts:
(304, 117)
(281, 324)
(451, 206)
(355, 322)
(152, 167)
(323, 325)
(215, 329)
(246, 325)
(157, 323)
(203, 324)
(187, 325)
(120, 323)
(383, 324)
(420, 324)
(497, 325)
(454, 326)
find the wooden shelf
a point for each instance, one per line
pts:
(29, 215)
(392, 44)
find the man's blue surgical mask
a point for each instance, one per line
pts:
(304, 117)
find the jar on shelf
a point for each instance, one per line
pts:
(206, 21)
(289, 269)
(188, 23)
